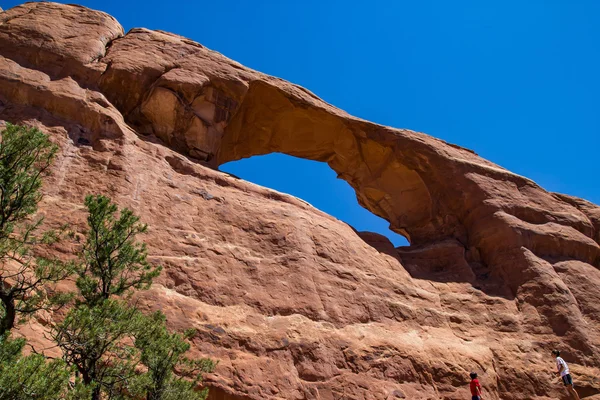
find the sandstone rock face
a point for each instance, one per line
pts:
(293, 303)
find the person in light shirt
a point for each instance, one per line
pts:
(563, 372)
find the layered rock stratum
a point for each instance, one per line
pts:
(293, 303)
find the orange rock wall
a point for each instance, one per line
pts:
(292, 302)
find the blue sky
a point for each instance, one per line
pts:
(516, 81)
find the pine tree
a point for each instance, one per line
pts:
(163, 353)
(113, 262)
(96, 340)
(25, 156)
(96, 334)
(30, 377)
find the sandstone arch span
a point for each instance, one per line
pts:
(269, 122)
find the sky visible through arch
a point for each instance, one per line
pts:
(314, 182)
(516, 81)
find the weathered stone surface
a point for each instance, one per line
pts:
(292, 302)
(57, 40)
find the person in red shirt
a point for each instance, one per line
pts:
(475, 387)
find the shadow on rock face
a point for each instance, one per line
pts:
(445, 262)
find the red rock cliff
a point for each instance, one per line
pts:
(292, 302)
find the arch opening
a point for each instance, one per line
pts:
(385, 176)
(316, 183)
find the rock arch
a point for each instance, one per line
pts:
(269, 122)
(430, 191)
(216, 110)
